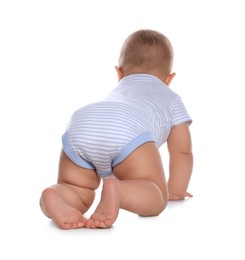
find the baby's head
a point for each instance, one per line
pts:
(148, 52)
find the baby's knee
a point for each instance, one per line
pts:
(162, 207)
(162, 200)
(159, 207)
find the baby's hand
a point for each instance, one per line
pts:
(187, 194)
(173, 197)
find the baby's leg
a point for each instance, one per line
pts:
(143, 183)
(140, 187)
(72, 196)
(108, 208)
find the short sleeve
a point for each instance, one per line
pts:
(180, 114)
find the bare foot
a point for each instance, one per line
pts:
(65, 216)
(107, 210)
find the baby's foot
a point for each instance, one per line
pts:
(107, 211)
(65, 216)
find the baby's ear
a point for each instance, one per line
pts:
(169, 78)
(119, 73)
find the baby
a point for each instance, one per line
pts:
(118, 140)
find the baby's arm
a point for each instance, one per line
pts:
(181, 161)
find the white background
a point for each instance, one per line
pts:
(56, 56)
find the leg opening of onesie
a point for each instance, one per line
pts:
(131, 146)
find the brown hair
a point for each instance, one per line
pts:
(146, 51)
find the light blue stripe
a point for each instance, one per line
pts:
(130, 147)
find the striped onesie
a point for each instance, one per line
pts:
(140, 109)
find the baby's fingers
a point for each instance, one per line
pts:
(188, 195)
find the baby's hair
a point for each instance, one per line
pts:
(146, 51)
